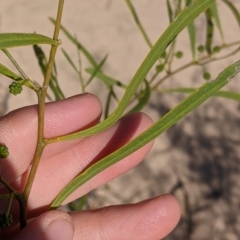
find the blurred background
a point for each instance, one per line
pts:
(198, 159)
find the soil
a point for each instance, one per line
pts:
(198, 159)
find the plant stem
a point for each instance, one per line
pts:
(10, 203)
(203, 61)
(14, 62)
(41, 110)
(10, 189)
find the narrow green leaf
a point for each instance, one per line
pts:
(192, 33)
(77, 43)
(164, 123)
(215, 15)
(195, 99)
(53, 84)
(170, 11)
(96, 70)
(40, 55)
(138, 22)
(8, 73)
(209, 32)
(178, 7)
(182, 20)
(226, 94)
(192, 37)
(66, 55)
(9, 40)
(234, 10)
(109, 81)
(143, 99)
(111, 94)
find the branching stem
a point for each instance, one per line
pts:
(41, 110)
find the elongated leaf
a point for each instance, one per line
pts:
(77, 43)
(111, 95)
(191, 33)
(192, 37)
(96, 70)
(138, 22)
(182, 20)
(8, 73)
(144, 98)
(209, 33)
(53, 84)
(178, 7)
(164, 123)
(215, 15)
(195, 99)
(66, 55)
(9, 40)
(170, 11)
(226, 94)
(109, 81)
(234, 10)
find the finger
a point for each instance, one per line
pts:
(152, 219)
(19, 129)
(54, 173)
(49, 226)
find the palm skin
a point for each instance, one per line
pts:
(150, 219)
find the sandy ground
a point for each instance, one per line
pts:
(197, 160)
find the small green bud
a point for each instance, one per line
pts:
(179, 54)
(216, 49)
(206, 75)
(201, 48)
(3, 151)
(15, 88)
(159, 67)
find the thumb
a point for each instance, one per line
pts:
(48, 226)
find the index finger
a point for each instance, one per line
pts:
(19, 130)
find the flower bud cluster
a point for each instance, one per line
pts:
(5, 220)
(15, 88)
(3, 151)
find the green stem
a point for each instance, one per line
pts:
(9, 203)
(41, 110)
(14, 62)
(203, 61)
(10, 188)
(4, 196)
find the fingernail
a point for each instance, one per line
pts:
(59, 229)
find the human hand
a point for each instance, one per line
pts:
(151, 219)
